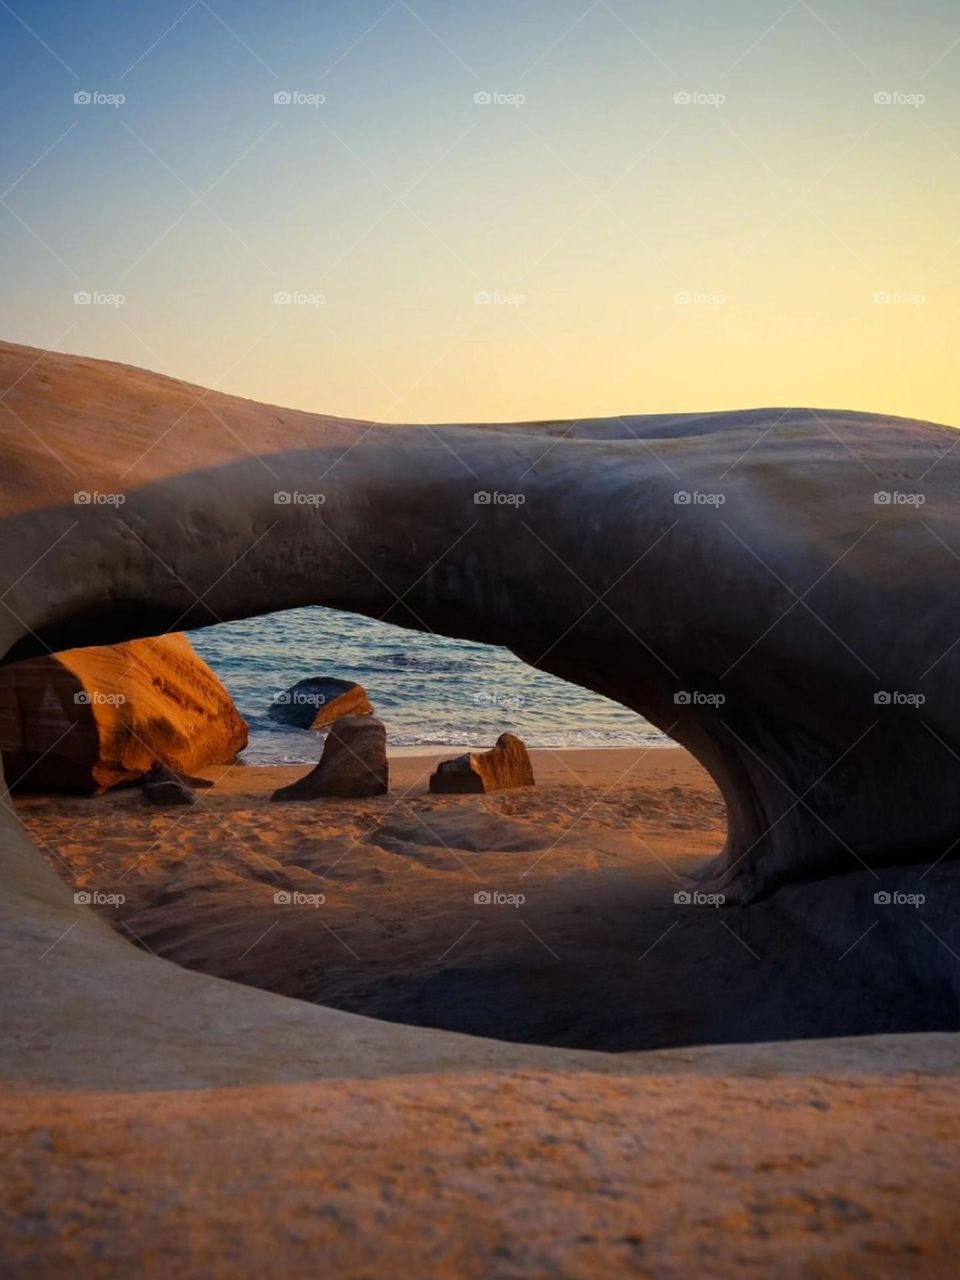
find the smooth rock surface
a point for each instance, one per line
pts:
(764, 632)
(353, 763)
(505, 765)
(157, 1120)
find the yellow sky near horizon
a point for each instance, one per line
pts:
(496, 213)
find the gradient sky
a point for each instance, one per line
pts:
(777, 217)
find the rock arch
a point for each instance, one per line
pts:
(732, 576)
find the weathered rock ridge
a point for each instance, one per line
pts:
(734, 577)
(785, 636)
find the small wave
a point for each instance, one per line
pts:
(418, 662)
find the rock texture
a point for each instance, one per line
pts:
(740, 578)
(816, 613)
(353, 763)
(318, 701)
(505, 765)
(89, 719)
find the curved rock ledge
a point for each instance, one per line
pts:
(731, 576)
(141, 1099)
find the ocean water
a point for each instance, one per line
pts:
(429, 690)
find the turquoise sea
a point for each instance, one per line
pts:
(429, 690)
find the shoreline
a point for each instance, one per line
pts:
(422, 749)
(446, 750)
(410, 769)
(667, 764)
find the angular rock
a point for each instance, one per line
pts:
(319, 701)
(353, 764)
(89, 719)
(161, 786)
(505, 765)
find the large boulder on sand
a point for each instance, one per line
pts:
(353, 764)
(505, 765)
(88, 719)
(319, 701)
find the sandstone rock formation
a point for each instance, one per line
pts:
(89, 719)
(785, 635)
(505, 765)
(353, 763)
(318, 701)
(739, 578)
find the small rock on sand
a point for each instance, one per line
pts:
(506, 765)
(161, 786)
(353, 763)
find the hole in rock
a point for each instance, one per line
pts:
(544, 915)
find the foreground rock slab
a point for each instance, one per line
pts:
(353, 764)
(505, 765)
(814, 1158)
(90, 719)
(527, 1174)
(319, 701)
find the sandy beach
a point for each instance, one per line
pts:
(545, 915)
(377, 905)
